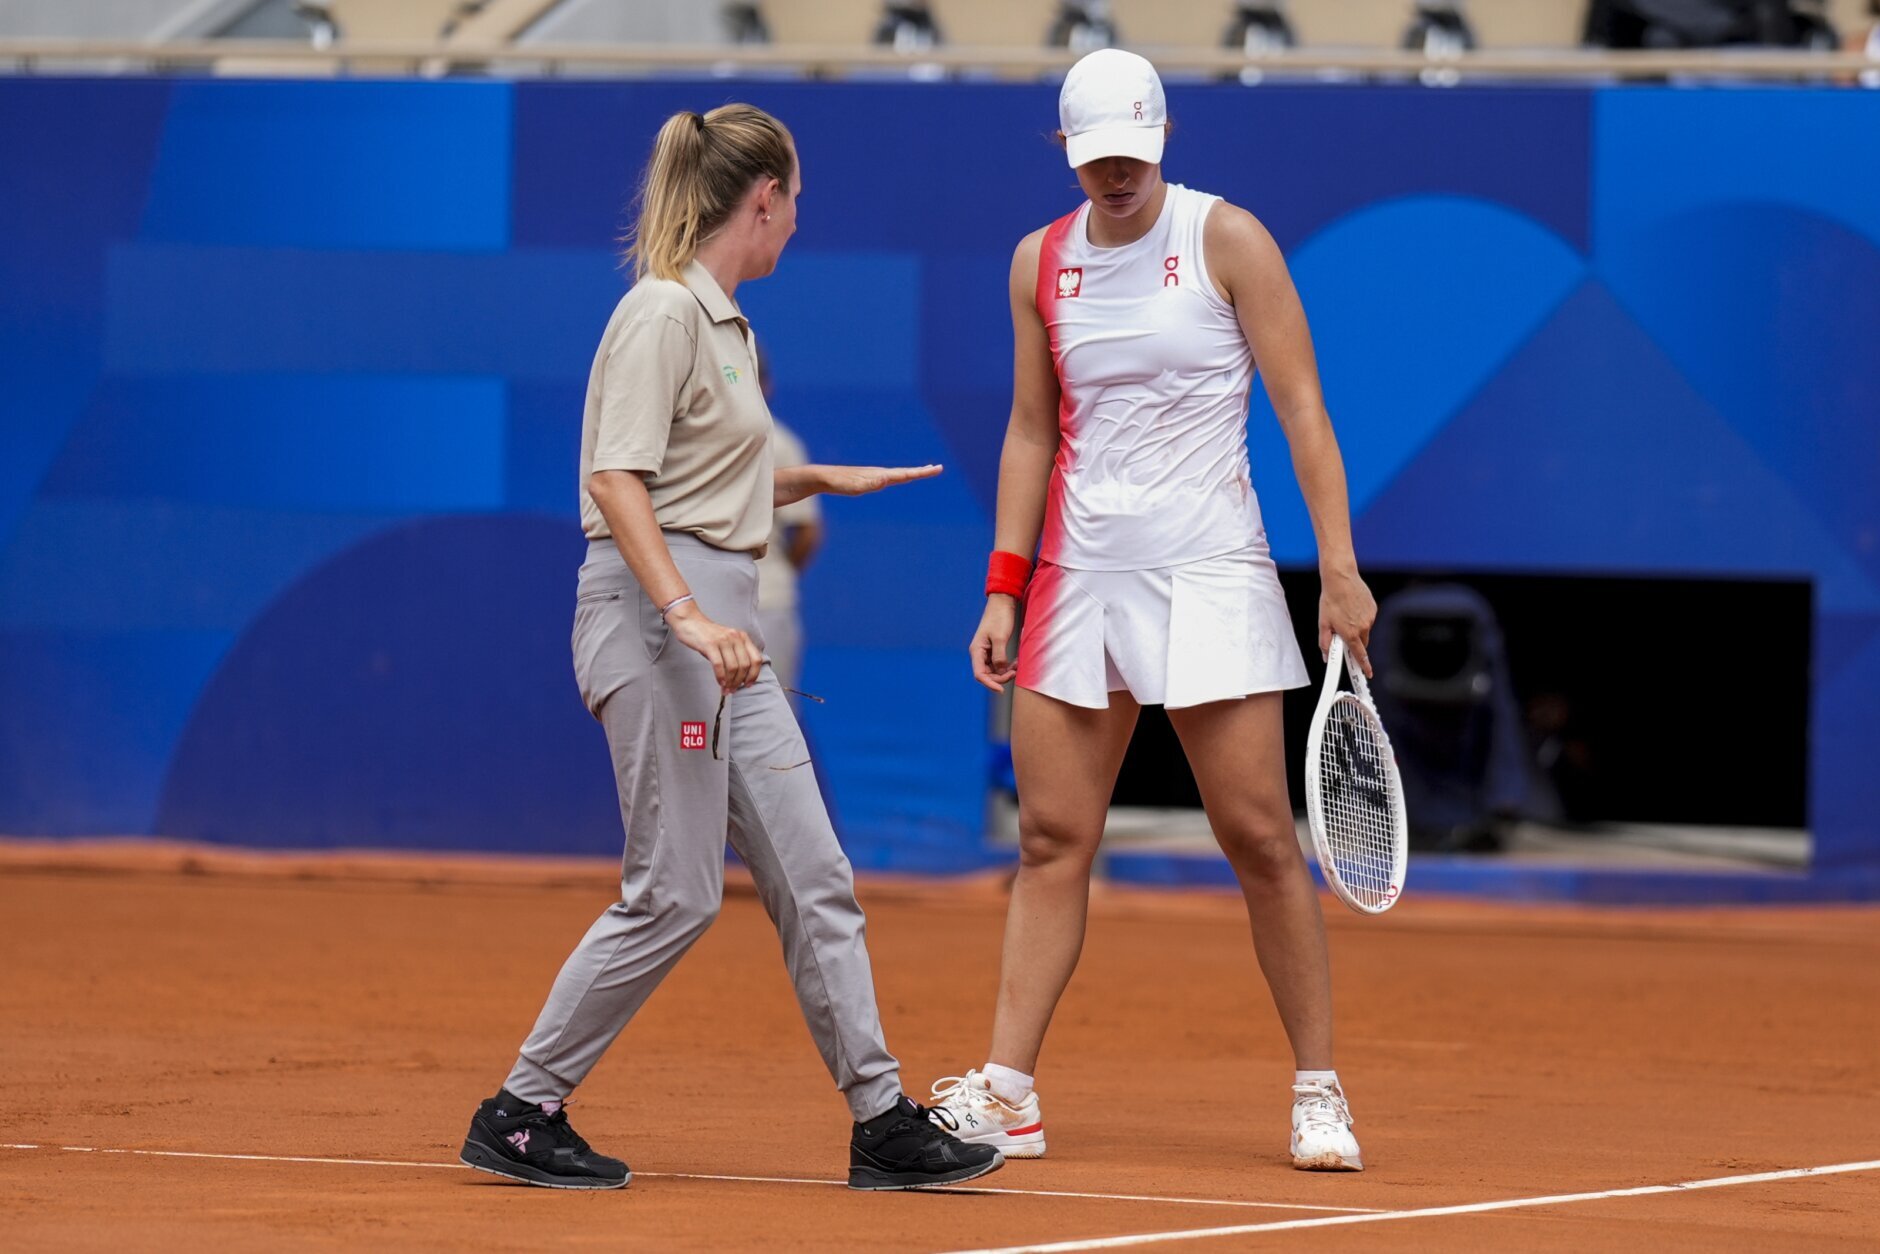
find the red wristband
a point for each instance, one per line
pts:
(1007, 573)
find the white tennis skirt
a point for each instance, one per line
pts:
(1212, 630)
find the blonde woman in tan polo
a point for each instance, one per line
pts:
(677, 489)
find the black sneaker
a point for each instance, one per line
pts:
(909, 1147)
(518, 1139)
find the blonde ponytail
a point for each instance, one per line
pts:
(701, 166)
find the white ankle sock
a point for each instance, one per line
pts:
(1327, 1078)
(1007, 1085)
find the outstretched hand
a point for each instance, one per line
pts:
(861, 480)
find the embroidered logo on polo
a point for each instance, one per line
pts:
(731, 374)
(691, 735)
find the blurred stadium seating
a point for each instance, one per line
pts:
(990, 24)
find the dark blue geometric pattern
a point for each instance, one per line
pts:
(294, 374)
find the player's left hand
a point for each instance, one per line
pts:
(861, 480)
(1346, 609)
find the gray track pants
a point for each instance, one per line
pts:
(657, 700)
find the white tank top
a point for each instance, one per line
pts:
(1154, 370)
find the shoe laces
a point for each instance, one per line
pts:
(558, 1127)
(926, 1119)
(1323, 1105)
(951, 1089)
(935, 1116)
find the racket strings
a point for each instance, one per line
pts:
(1358, 803)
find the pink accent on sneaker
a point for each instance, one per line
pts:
(549, 1108)
(519, 1139)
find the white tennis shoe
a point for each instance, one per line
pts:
(987, 1119)
(1321, 1130)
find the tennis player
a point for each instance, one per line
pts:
(1139, 320)
(677, 489)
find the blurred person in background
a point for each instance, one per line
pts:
(796, 532)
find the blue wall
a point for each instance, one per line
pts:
(293, 376)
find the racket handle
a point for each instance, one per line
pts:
(1340, 656)
(1359, 684)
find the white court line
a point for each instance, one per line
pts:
(688, 1175)
(249, 1158)
(1428, 1212)
(1105, 1197)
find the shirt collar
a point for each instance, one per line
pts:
(710, 295)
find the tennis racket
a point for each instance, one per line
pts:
(1354, 799)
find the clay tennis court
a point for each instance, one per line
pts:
(293, 1045)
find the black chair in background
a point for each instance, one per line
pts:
(1444, 693)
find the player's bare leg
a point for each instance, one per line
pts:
(1237, 752)
(1066, 759)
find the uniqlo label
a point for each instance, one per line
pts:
(691, 735)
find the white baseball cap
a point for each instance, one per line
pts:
(1112, 106)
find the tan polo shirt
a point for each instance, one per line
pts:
(674, 394)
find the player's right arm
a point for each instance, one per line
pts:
(1031, 445)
